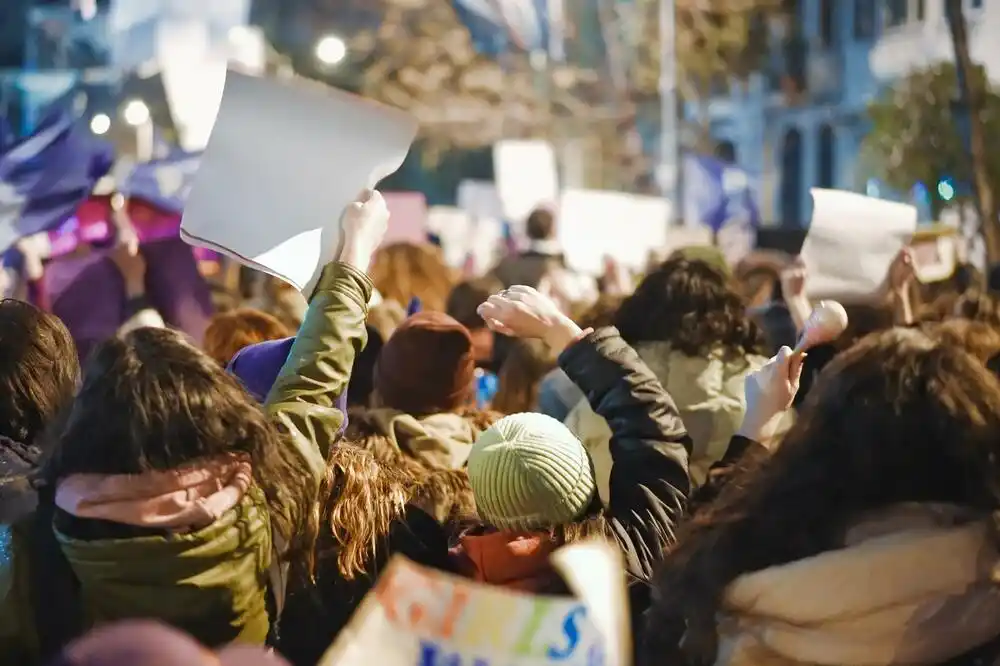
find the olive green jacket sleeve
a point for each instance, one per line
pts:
(303, 400)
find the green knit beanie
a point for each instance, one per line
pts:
(529, 471)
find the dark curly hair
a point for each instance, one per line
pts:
(692, 305)
(896, 418)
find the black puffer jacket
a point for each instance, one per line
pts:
(649, 449)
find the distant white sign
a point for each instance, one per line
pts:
(526, 176)
(594, 225)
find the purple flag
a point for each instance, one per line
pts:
(164, 183)
(176, 288)
(45, 177)
(88, 294)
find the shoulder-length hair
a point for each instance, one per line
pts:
(229, 332)
(896, 418)
(39, 369)
(361, 497)
(693, 305)
(403, 271)
(150, 400)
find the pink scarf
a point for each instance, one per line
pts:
(184, 499)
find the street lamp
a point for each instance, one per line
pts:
(100, 124)
(136, 114)
(331, 50)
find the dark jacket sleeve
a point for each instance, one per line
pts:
(303, 399)
(649, 445)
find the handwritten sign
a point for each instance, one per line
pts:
(421, 617)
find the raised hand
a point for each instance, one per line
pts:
(769, 392)
(132, 266)
(364, 223)
(524, 312)
(902, 271)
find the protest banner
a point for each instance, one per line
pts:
(423, 617)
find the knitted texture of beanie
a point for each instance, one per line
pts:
(529, 471)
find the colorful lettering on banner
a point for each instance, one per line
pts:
(426, 618)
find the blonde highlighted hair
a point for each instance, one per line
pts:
(365, 495)
(403, 271)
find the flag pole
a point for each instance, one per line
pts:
(668, 170)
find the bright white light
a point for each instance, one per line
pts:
(100, 124)
(331, 50)
(136, 113)
(87, 9)
(945, 190)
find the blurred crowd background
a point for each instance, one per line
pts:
(886, 97)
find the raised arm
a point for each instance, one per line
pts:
(303, 399)
(649, 444)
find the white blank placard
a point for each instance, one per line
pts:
(283, 161)
(852, 240)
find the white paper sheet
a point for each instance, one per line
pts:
(935, 259)
(422, 616)
(526, 177)
(595, 224)
(283, 161)
(852, 240)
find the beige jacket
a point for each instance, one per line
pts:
(912, 586)
(709, 395)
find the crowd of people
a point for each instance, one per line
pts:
(163, 503)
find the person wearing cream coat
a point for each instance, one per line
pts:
(709, 395)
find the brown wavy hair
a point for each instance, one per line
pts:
(361, 499)
(403, 271)
(896, 418)
(447, 494)
(150, 400)
(39, 369)
(526, 364)
(229, 332)
(693, 305)
(976, 337)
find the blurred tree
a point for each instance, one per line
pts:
(917, 133)
(974, 102)
(717, 42)
(420, 57)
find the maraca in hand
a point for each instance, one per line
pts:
(826, 323)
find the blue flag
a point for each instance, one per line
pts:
(46, 176)
(495, 25)
(717, 194)
(164, 183)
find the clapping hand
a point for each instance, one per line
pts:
(523, 312)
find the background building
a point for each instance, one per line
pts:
(800, 122)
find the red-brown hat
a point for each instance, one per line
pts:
(427, 366)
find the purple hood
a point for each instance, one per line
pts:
(257, 367)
